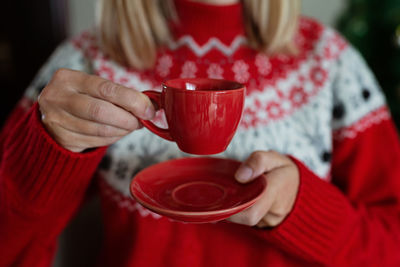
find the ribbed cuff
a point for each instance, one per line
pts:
(318, 222)
(41, 174)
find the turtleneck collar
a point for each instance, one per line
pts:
(203, 21)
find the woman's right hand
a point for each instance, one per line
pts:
(82, 111)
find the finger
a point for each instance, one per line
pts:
(269, 220)
(262, 224)
(84, 127)
(77, 142)
(282, 180)
(258, 163)
(100, 111)
(127, 98)
(286, 180)
(253, 215)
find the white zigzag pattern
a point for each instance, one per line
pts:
(130, 204)
(212, 43)
(127, 203)
(360, 126)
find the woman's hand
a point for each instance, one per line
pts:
(82, 111)
(278, 198)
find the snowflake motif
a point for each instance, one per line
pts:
(274, 110)
(78, 42)
(283, 58)
(298, 97)
(164, 65)
(318, 76)
(189, 70)
(263, 64)
(123, 80)
(331, 51)
(241, 70)
(215, 71)
(106, 71)
(249, 119)
(336, 45)
(92, 51)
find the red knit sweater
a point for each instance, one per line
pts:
(322, 106)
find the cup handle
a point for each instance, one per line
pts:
(155, 97)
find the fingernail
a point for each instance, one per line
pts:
(244, 174)
(149, 113)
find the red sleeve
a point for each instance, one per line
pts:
(355, 220)
(41, 187)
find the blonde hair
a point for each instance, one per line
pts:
(132, 30)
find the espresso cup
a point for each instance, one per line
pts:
(202, 114)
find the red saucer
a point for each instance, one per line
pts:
(197, 190)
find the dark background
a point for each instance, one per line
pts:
(29, 32)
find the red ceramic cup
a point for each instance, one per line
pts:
(202, 114)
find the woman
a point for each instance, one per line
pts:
(315, 124)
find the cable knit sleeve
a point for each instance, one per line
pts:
(355, 219)
(41, 183)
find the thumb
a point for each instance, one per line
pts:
(258, 163)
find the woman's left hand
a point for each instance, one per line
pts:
(277, 200)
